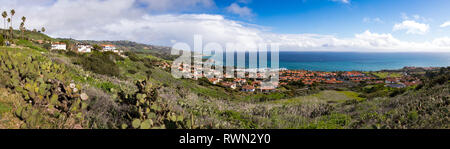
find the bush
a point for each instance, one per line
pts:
(101, 63)
(47, 46)
(131, 71)
(107, 86)
(71, 53)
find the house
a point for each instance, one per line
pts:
(84, 48)
(396, 85)
(58, 46)
(248, 88)
(352, 74)
(40, 41)
(229, 85)
(240, 81)
(214, 80)
(256, 83)
(391, 80)
(109, 47)
(267, 89)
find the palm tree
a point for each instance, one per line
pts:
(11, 30)
(9, 21)
(4, 14)
(12, 15)
(22, 29)
(22, 25)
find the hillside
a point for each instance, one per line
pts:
(50, 89)
(130, 46)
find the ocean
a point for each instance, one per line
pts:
(350, 61)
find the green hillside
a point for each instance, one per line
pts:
(50, 89)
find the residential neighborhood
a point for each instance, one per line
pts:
(252, 80)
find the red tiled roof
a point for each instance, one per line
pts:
(248, 87)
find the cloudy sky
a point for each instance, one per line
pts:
(297, 25)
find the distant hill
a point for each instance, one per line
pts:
(131, 46)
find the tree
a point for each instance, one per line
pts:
(9, 20)
(43, 29)
(96, 47)
(11, 30)
(47, 46)
(4, 15)
(12, 15)
(22, 25)
(22, 29)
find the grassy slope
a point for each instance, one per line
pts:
(322, 97)
(384, 75)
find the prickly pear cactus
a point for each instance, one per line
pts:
(44, 85)
(150, 113)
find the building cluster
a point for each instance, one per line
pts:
(82, 47)
(402, 82)
(253, 78)
(310, 77)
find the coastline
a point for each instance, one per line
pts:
(352, 61)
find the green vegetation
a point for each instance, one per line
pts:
(332, 121)
(322, 97)
(384, 75)
(101, 63)
(4, 108)
(380, 90)
(30, 45)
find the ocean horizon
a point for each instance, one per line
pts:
(354, 61)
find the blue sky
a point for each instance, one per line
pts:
(297, 25)
(343, 19)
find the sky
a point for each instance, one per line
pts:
(296, 25)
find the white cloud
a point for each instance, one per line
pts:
(176, 5)
(342, 1)
(372, 20)
(415, 17)
(412, 27)
(244, 1)
(123, 20)
(445, 24)
(241, 11)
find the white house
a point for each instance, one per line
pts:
(109, 47)
(84, 48)
(248, 88)
(58, 46)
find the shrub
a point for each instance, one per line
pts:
(47, 46)
(131, 71)
(101, 63)
(107, 86)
